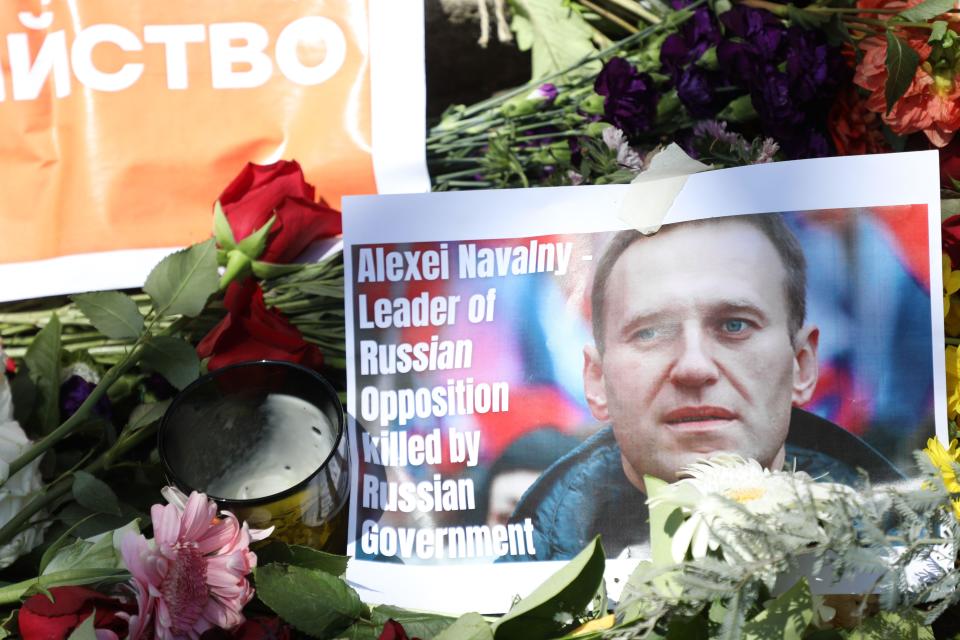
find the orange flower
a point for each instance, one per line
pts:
(931, 103)
(854, 128)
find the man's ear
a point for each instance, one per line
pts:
(806, 368)
(594, 388)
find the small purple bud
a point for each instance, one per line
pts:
(74, 391)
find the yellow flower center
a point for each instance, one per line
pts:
(744, 495)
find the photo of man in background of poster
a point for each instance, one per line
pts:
(701, 345)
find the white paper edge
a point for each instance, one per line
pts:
(80, 272)
(874, 180)
(398, 88)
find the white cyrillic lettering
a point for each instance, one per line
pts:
(224, 55)
(81, 56)
(28, 80)
(40, 22)
(174, 38)
(312, 35)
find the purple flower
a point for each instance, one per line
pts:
(701, 32)
(697, 90)
(694, 37)
(74, 391)
(773, 102)
(631, 97)
(815, 69)
(760, 30)
(546, 92)
(805, 143)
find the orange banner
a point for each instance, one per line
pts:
(121, 122)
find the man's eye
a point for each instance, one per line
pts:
(648, 333)
(735, 326)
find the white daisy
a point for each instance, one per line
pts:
(721, 494)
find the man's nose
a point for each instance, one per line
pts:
(694, 365)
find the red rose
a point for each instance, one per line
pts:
(251, 331)
(41, 619)
(261, 191)
(393, 630)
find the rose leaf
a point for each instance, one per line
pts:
(182, 282)
(114, 314)
(173, 358)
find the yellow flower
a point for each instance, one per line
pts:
(944, 459)
(951, 323)
(953, 381)
(951, 282)
(597, 624)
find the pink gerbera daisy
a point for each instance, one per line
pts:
(192, 576)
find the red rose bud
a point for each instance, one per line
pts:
(41, 619)
(9, 365)
(279, 189)
(393, 630)
(251, 331)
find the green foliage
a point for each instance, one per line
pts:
(558, 602)
(222, 231)
(94, 494)
(887, 625)
(556, 36)
(143, 415)
(784, 618)
(43, 362)
(84, 630)
(307, 557)
(173, 358)
(181, 283)
(938, 31)
(806, 19)
(114, 314)
(469, 626)
(926, 10)
(315, 602)
(902, 62)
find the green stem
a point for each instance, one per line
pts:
(74, 421)
(609, 15)
(638, 10)
(13, 592)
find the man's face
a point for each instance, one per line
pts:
(697, 351)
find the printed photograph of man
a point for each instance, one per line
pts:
(701, 344)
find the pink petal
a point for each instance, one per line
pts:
(166, 524)
(198, 515)
(219, 536)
